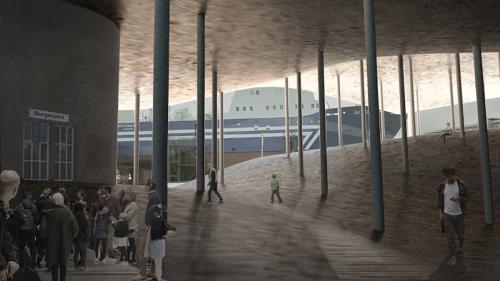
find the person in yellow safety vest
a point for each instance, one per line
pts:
(212, 183)
(275, 188)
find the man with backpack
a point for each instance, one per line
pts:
(28, 229)
(452, 195)
(212, 183)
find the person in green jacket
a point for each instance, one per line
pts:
(60, 225)
(275, 188)
(212, 183)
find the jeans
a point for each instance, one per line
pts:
(27, 238)
(131, 250)
(277, 193)
(103, 245)
(80, 254)
(56, 269)
(214, 189)
(454, 226)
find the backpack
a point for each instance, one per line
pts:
(27, 215)
(158, 225)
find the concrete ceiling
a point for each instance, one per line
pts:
(252, 41)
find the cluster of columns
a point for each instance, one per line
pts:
(160, 117)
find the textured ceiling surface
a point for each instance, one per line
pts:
(252, 41)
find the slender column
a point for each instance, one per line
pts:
(299, 125)
(200, 120)
(137, 130)
(375, 149)
(214, 119)
(452, 102)
(483, 134)
(322, 125)
(460, 98)
(287, 121)
(382, 112)
(412, 93)
(221, 162)
(363, 105)
(417, 100)
(160, 97)
(340, 115)
(402, 104)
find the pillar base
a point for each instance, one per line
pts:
(376, 235)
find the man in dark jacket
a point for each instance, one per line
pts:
(9, 185)
(452, 195)
(27, 231)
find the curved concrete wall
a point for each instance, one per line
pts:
(61, 58)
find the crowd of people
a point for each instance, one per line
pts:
(43, 231)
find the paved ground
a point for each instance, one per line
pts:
(305, 238)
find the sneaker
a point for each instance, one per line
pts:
(124, 263)
(139, 277)
(109, 260)
(452, 261)
(221, 201)
(98, 261)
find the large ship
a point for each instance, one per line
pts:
(254, 126)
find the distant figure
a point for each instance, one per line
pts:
(81, 241)
(27, 230)
(452, 195)
(155, 243)
(130, 213)
(120, 239)
(42, 204)
(212, 183)
(275, 188)
(59, 227)
(102, 220)
(9, 185)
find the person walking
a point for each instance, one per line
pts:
(81, 241)
(452, 194)
(212, 183)
(130, 214)
(42, 204)
(275, 188)
(60, 225)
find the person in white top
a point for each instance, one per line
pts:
(452, 195)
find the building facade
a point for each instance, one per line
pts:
(58, 92)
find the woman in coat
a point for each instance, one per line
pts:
(130, 214)
(60, 225)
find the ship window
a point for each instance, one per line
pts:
(317, 105)
(312, 105)
(302, 105)
(267, 107)
(251, 108)
(237, 108)
(281, 106)
(244, 108)
(257, 92)
(296, 106)
(274, 107)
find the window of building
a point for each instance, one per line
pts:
(251, 108)
(296, 107)
(244, 108)
(237, 108)
(63, 164)
(35, 151)
(281, 107)
(257, 92)
(274, 107)
(317, 105)
(267, 107)
(312, 105)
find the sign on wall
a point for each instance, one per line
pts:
(47, 115)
